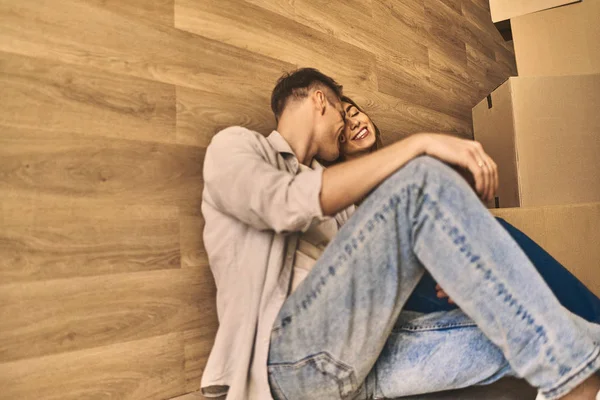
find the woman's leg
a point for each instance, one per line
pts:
(332, 329)
(469, 357)
(424, 298)
(443, 349)
(569, 291)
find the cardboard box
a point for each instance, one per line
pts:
(544, 134)
(502, 10)
(552, 37)
(571, 234)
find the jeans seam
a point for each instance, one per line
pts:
(347, 250)
(430, 208)
(593, 358)
(435, 327)
(341, 381)
(277, 387)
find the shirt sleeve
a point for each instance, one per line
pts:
(343, 216)
(242, 181)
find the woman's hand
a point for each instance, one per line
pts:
(441, 294)
(464, 153)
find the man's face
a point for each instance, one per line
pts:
(331, 127)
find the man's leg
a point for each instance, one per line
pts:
(569, 291)
(444, 350)
(332, 329)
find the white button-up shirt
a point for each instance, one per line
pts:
(256, 202)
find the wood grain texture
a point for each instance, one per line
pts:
(442, 83)
(359, 23)
(156, 11)
(489, 72)
(63, 315)
(141, 369)
(84, 33)
(456, 90)
(64, 165)
(284, 8)
(455, 5)
(445, 28)
(200, 115)
(75, 238)
(408, 20)
(343, 20)
(54, 96)
(106, 109)
(486, 40)
(285, 39)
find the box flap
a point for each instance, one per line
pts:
(505, 9)
(493, 127)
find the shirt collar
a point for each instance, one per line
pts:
(282, 146)
(279, 143)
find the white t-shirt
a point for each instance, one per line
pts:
(312, 244)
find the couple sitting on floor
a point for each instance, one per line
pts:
(335, 283)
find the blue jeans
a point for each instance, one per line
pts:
(569, 291)
(341, 334)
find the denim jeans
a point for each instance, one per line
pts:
(569, 291)
(341, 334)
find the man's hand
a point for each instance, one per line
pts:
(467, 154)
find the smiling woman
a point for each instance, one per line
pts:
(361, 135)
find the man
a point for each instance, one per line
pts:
(334, 336)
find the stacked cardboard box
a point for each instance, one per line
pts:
(552, 37)
(544, 133)
(570, 233)
(543, 127)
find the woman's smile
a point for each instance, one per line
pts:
(361, 134)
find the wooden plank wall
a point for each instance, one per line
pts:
(106, 108)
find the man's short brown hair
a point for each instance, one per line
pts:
(297, 84)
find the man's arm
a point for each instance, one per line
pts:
(241, 181)
(346, 183)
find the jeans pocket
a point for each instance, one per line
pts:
(318, 376)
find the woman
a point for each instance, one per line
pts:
(361, 136)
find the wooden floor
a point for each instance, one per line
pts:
(106, 108)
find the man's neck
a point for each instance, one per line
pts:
(297, 132)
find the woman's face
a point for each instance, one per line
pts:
(359, 133)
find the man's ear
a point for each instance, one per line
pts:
(320, 101)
